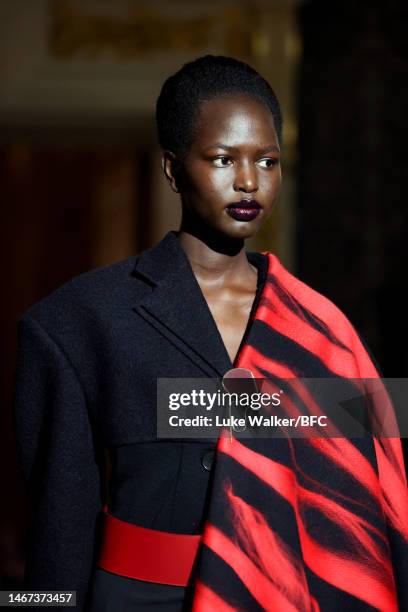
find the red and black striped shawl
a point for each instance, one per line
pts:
(304, 524)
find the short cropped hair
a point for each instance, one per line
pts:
(204, 79)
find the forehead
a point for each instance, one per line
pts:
(234, 120)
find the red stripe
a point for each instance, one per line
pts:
(255, 361)
(332, 316)
(389, 486)
(370, 578)
(261, 588)
(313, 301)
(285, 321)
(395, 497)
(364, 568)
(206, 600)
(340, 451)
(255, 537)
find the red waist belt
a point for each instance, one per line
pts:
(147, 554)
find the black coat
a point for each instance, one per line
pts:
(89, 357)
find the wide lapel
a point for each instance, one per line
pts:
(175, 305)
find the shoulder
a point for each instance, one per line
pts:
(310, 301)
(87, 295)
(317, 323)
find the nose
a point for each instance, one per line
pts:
(246, 179)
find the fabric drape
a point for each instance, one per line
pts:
(296, 523)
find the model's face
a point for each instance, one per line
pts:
(234, 158)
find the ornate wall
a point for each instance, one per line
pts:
(90, 70)
(81, 182)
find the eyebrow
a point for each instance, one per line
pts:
(219, 145)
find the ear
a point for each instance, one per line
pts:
(171, 165)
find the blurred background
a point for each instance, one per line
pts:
(80, 178)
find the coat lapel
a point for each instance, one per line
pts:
(175, 305)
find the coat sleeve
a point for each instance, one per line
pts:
(59, 463)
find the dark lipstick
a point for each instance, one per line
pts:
(245, 210)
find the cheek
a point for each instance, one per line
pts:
(222, 180)
(271, 183)
(211, 183)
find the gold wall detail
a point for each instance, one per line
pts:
(137, 31)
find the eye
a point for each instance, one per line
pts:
(268, 162)
(222, 161)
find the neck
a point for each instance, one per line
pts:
(212, 259)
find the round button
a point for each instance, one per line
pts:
(207, 459)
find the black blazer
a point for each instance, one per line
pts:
(89, 357)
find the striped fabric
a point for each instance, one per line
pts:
(318, 524)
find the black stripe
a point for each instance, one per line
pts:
(275, 345)
(305, 314)
(226, 583)
(278, 512)
(331, 599)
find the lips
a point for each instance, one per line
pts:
(245, 210)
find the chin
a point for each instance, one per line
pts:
(240, 229)
(224, 228)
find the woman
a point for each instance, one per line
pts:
(255, 524)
